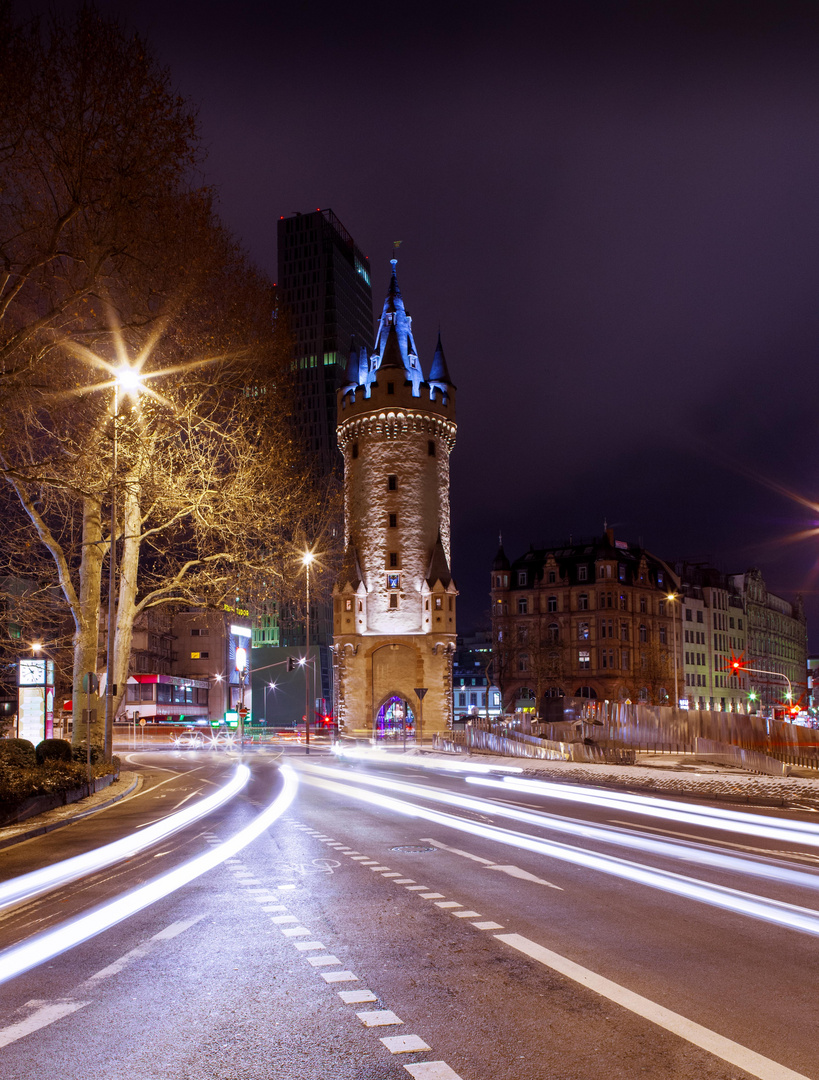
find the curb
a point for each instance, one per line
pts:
(40, 830)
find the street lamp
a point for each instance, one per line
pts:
(671, 597)
(270, 686)
(306, 560)
(127, 379)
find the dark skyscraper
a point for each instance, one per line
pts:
(324, 287)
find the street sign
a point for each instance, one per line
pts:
(142, 722)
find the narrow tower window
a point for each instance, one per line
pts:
(393, 600)
(392, 483)
(390, 387)
(393, 559)
(393, 521)
(355, 449)
(431, 448)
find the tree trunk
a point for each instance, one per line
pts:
(128, 573)
(87, 623)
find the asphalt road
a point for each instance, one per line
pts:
(593, 939)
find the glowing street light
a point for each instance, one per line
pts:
(306, 561)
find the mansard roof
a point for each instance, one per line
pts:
(570, 556)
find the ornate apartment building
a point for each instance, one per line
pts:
(586, 619)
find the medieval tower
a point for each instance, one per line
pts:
(394, 603)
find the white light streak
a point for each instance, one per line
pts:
(372, 755)
(49, 877)
(735, 821)
(788, 916)
(683, 851)
(29, 954)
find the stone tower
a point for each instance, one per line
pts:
(394, 602)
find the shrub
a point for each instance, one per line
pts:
(79, 753)
(53, 750)
(19, 752)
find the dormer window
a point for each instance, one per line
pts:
(583, 573)
(521, 577)
(552, 577)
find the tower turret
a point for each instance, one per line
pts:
(395, 625)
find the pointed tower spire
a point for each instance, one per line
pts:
(395, 317)
(351, 376)
(391, 357)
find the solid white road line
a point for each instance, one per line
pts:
(39, 1019)
(177, 928)
(732, 1052)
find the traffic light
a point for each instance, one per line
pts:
(736, 665)
(291, 663)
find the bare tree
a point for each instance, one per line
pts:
(110, 258)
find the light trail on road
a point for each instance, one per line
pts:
(27, 886)
(789, 916)
(29, 954)
(679, 850)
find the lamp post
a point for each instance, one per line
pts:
(672, 597)
(307, 559)
(127, 379)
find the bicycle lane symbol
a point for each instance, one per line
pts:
(316, 866)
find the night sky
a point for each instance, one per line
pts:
(612, 211)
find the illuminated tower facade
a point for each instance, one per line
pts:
(394, 603)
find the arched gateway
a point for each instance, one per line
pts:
(394, 601)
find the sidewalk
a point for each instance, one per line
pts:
(667, 775)
(65, 815)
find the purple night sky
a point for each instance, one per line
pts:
(612, 211)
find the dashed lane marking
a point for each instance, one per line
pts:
(487, 925)
(432, 1070)
(275, 907)
(356, 997)
(48, 1014)
(405, 881)
(415, 888)
(295, 931)
(391, 875)
(432, 896)
(466, 914)
(338, 976)
(278, 919)
(378, 1018)
(734, 1053)
(448, 904)
(404, 1044)
(378, 869)
(361, 858)
(303, 946)
(323, 961)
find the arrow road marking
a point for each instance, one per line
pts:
(512, 871)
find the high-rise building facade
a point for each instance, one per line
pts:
(394, 602)
(324, 289)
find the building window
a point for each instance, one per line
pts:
(699, 616)
(583, 631)
(523, 662)
(623, 602)
(642, 605)
(521, 577)
(624, 659)
(624, 631)
(392, 483)
(660, 578)
(552, 577)
(551, 603)
(461, 700)
(355, 449)
(583, 602)
(582, 573)
(203, 656)
(730, 623)
(739, 624)
(661, 609)
(643, 695)
(643, 632)
(621, 571)
(584, 659)
(393, 581)
(663, 635)
(553, 631)
(689, 615)
(390, 387)
(198, 633)
(360, 605)
(439, 603)
(393, 600)
(431, 448)
(348, 605)
(523, 606)
(393, 519)
(393, 559)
